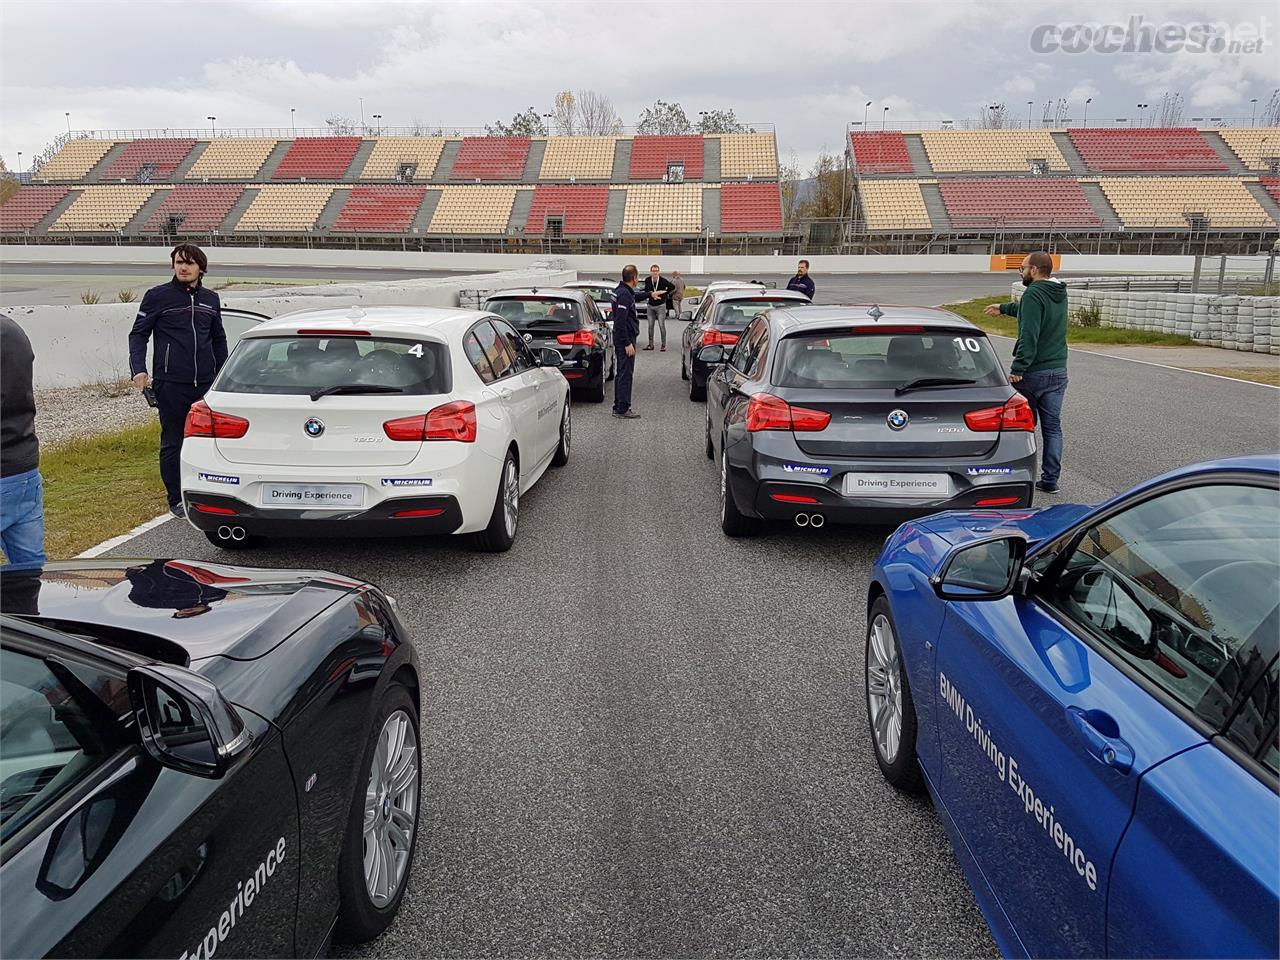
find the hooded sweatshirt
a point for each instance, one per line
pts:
(1042, 327)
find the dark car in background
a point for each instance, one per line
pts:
(201, 759)
(721, 317)
(567, 321)
(858, 414)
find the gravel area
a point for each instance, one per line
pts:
(65, 413)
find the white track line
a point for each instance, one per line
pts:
(114, 542)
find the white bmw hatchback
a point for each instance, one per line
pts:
(383, 421)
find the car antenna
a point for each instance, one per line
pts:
(875, 313)
(356, 312)
(533, 289)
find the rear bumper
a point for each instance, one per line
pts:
(838, 509)
(377, 521)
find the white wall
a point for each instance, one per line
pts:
(81, 344)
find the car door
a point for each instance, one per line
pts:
(546, 399)
(516, 394)
(108, 853)
(735, 390)
(1054, 705)
(692, 336)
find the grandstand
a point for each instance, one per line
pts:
(1106, 188)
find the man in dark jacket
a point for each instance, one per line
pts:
(1039, 368)
(185, 320)
(626, 331)
(21, 486)
(656, 297)
(802, 282)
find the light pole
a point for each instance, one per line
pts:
(1253, 119)
(865, 107)
(1029, 102)
(293, 120)
(1085, 122)
(362, 111)
(213, 125)
(1141, 107)
(883, 117)
(377, 122)
(67, 114)
(19, 165)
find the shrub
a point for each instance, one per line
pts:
(1088, 315)
(126, 296)
(90, 296)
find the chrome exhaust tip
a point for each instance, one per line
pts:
(224, 532)
(238, 534)
(817, 520)
(802, 519)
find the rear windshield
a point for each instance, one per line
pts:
(738, 313)
(296, 365)
(599, 294)
(540, 313)
(885, 360)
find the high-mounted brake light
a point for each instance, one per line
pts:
(579, 338)
(767, 412)
(1014, 415)
(451, 421)
(333, 333)
(203, 422)
(883, 329)
(711, 338)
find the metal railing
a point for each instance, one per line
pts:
(874, 125)
(355, 130)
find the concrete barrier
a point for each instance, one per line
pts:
(84, 344)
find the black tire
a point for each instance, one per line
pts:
(733, 522)
(561, 456)
(248, 543)
(710, 447)
(359, 918)
(613, 368)
(684, 369)
(902, 770)
(594, 394)
(496, 538)
(697, 391)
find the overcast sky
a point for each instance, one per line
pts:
(808, 68)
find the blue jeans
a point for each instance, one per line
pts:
(22, 519)
(1045, 390)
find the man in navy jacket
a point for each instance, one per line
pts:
(626, 331)
(185, 322)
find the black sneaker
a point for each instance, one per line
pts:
(629, 415)
(178, 510)
(1046, 487)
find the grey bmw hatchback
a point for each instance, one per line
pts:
(863, 414)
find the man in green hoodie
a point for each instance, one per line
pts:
(1039, 368)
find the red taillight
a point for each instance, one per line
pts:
(792, 498)
(1014, 415)
(452, 421)
(579, 338)
(220, 511)
(711, 338)
(571, 374)
(997, 501)
(428, 512)
(203, 422)
(767, 412)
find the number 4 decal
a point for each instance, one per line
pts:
(967, 343)
(416, 349)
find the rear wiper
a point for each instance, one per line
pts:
(355, 388)
(541, 320)
(932, 382)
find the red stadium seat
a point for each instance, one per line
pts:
(491, 158)
(199, 208)
(317, 158)
(583, 208)
(979, 203)
(380, 209)
(164, 154)
(750, 208)
(1272, 186)
(28, 207)
(1154, 149)
(880, 152)
(650, 156)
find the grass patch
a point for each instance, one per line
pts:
(1256, 374)
(99, 487)
(1008, 327)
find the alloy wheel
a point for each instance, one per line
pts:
(884, 688)
(390, 809)
(511, 498)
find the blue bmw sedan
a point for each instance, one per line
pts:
(1089, 694)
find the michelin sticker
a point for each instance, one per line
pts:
(806, 468)
(246, 891)
(984, 471)
(1006, 767)
(220, 478)
(406, 481)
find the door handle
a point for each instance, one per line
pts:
(1101, 735)
(504, 393)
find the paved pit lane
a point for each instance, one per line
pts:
(643, 739)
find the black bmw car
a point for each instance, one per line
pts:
(721, 317)
(567, 321)
(863, 414)
(201, 760)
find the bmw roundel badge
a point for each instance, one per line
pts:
(897, 419)
(528, 337)
(313, 427)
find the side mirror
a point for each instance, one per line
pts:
(985, 570)
(548, 357)
(713, 353)
(686, 315)
(184, 720)
(693, 301)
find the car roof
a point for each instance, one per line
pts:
(578, 284)
(747, 294)
(550, 293)
(817, 317)
(398, 320)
